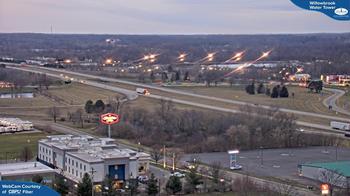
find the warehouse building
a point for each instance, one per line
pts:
(76, 155)
(335, 173)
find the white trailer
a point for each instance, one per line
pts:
(340, 125)
(142, 91)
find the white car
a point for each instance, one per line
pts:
(142, 178)
(236, 167)
(178, 174)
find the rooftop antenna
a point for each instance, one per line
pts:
(51, 29)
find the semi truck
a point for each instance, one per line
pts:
(142, 91)
(340, 125)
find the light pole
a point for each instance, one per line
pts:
(261, 156)
(92, 181)
(164, 157)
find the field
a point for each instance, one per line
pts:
(344, 101)
(11, 145)
(74, 95)
(303, 100)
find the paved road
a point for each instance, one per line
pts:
(331, 100)
(180, 92)
(133, 95)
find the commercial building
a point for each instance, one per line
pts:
(25, 171)
(335, 173)
(76, 155)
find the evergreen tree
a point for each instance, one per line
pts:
(177, 75)
(186, 76)
(284, 92)
(173, 185)
(152, 77)
(85, 186)
(89, 106)
(152, 187)
(275, 92)
(99, 106)
(108, 188)
(250, 89)
(193, 179)
(61, 186)
(261, 88)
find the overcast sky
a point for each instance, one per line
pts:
(163, 17)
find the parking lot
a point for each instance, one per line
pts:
(279, 163)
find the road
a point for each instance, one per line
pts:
(180, 92)
(331, 100)
(133, 95)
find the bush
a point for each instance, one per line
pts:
(284, 92)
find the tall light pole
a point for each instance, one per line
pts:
(261, 156)
(92, 181)
(173, 161)
(164, 157)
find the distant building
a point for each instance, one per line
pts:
(335, 173)
(25, 171)
(76, 155)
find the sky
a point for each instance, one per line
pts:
(163, 17)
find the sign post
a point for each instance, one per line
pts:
(109, 119)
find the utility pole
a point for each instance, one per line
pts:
(261, 156)
(173, 161)
(92, 181)
(164, 157)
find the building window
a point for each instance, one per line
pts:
(73, 162)
(81, 166)
(81, 175)
(76, 172)
(72, 171)
(84, 167)
(76, 164)
(68, 160)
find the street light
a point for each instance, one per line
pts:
(108, 61)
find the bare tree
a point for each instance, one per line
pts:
(26, 154)
(78, 117)
(156, 155)
(54, 112)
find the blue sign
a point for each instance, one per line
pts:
(336, 9)
(25, 188)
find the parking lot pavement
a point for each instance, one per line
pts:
(280, 163)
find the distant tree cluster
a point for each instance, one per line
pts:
(98, 107)
(277, 91)
(20, 79)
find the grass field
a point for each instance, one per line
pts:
(344, 101)
(14, 143)
(303, 100)
(77, 93)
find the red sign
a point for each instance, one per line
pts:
(109, 118)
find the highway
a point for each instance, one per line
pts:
(131, 95)
(331, 100)
(179, 92)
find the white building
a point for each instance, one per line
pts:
(76, 155)
(25, 171)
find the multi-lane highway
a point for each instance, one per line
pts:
(57, 73)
